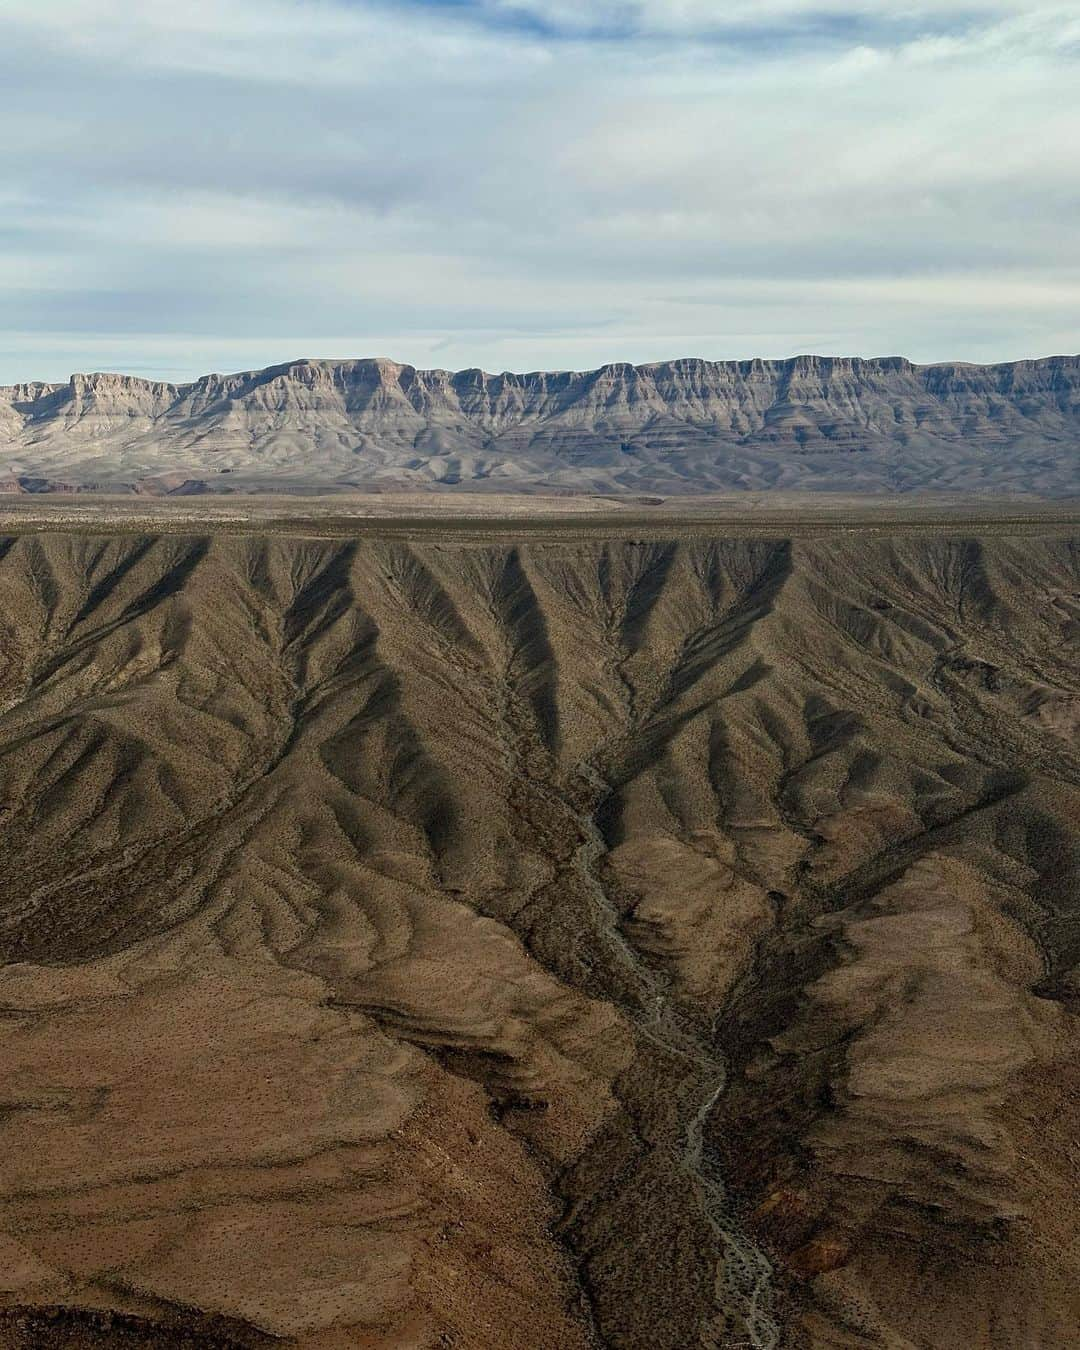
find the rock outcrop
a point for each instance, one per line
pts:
(821, 423)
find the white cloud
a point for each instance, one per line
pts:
(460, 183)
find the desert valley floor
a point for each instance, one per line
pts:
(504, 935)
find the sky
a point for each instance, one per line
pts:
(225, 184)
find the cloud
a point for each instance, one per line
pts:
(521, 184)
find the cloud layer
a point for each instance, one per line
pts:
(511, 183)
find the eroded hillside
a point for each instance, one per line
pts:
(820, 423)
(631, 944)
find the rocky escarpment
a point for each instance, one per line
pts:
(808, 423)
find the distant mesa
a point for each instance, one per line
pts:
(839, 424)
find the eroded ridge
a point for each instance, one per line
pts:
(579, 943)
(810, 423)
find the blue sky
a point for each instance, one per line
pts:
(515, 184)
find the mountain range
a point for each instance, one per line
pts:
(674, 427)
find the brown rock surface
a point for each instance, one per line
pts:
(431, 941)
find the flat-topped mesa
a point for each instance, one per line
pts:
(29, 392)
(341, 386)
(119, 395)
(836, 423)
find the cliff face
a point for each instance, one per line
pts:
(825, 423)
